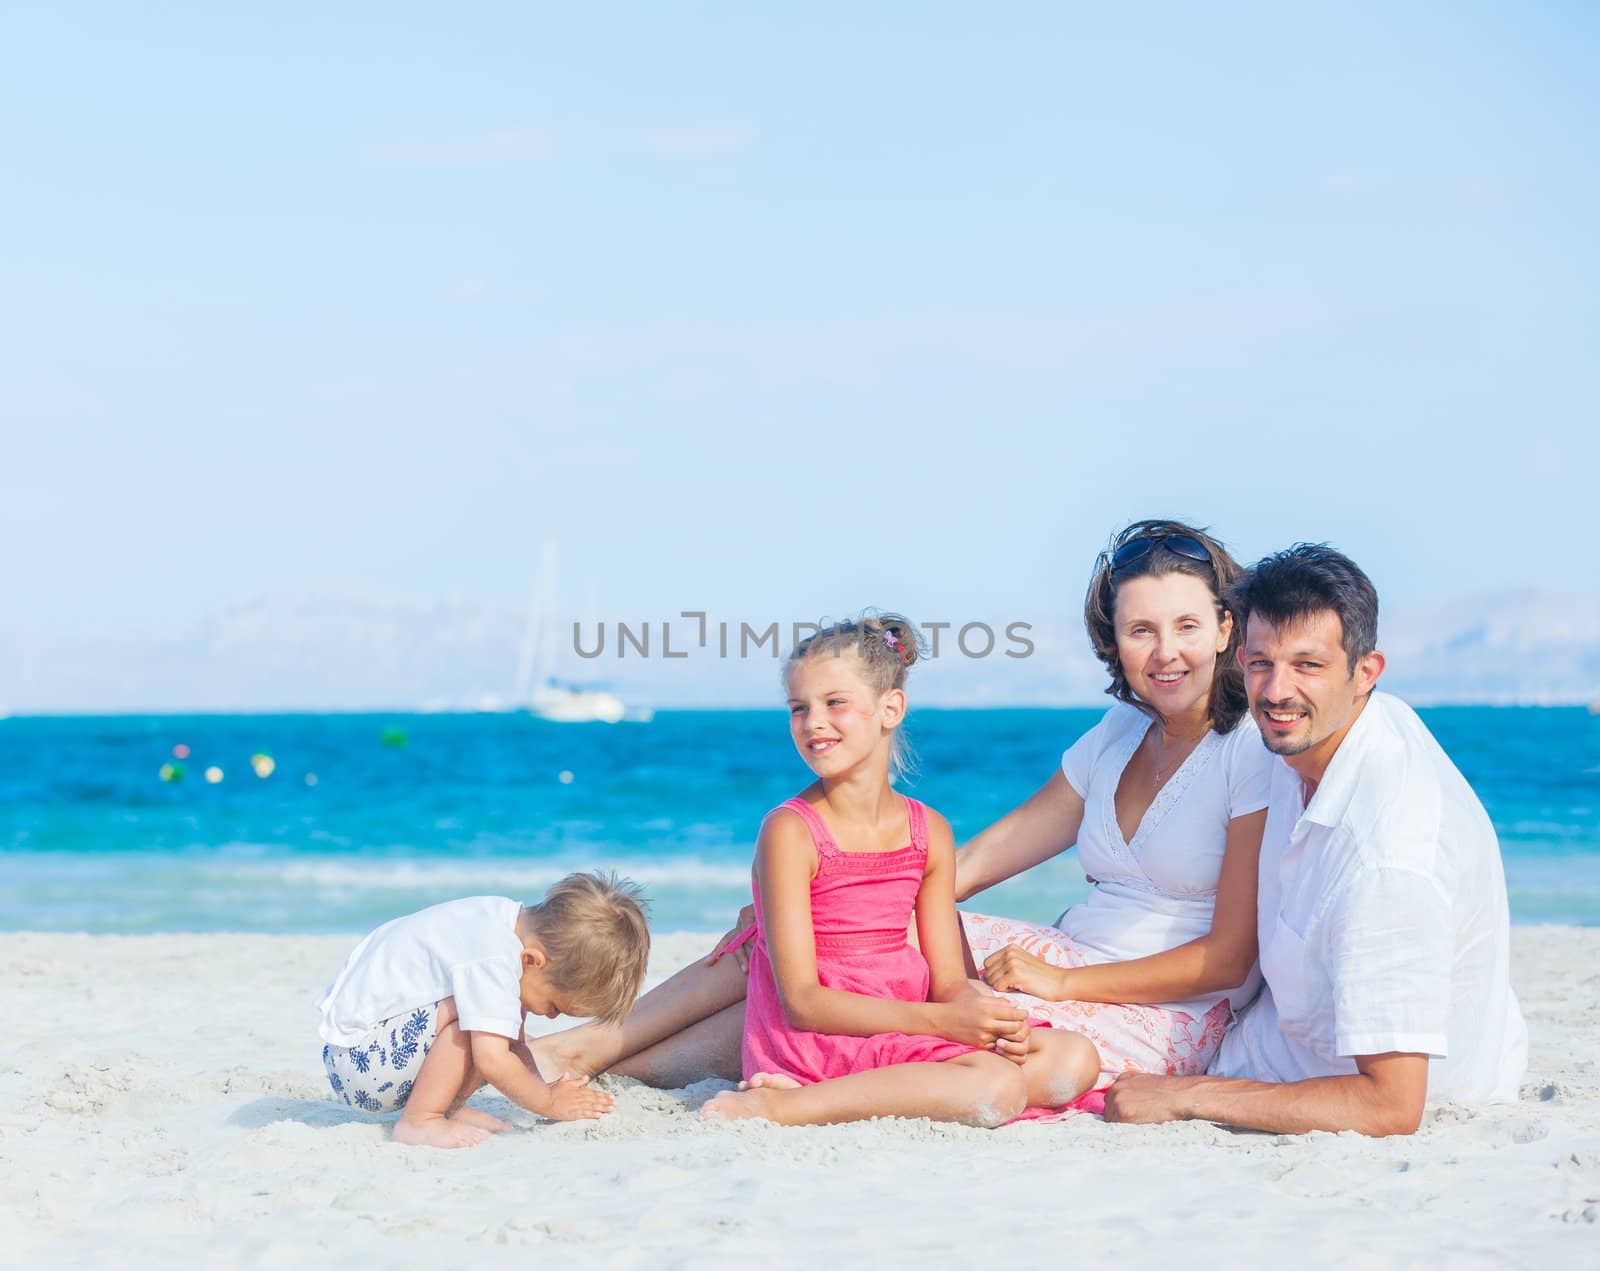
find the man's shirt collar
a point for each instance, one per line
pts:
(1339, 784)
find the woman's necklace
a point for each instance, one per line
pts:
(1188, 745)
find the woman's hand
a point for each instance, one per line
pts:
(741, 955)
(1015, 970)
(982, 1020)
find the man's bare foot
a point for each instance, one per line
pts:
(754, 1103)
(479, 1118)
(557, 1056)
(770, 1081)
(437, 1131)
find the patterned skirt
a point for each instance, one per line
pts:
(1129, 1038)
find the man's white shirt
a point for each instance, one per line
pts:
(1383, 921)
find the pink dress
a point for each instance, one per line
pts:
(861, 905)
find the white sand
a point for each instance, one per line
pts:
(162, 1101)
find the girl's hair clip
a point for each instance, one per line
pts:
(894, 642)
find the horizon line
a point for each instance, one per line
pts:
(727, 708)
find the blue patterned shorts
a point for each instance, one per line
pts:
(376, 1074)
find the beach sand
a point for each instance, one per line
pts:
(162, 1102)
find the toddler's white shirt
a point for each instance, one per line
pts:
(466, 949)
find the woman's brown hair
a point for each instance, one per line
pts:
(1219, 573)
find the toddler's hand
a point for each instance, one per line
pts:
(570, 1101)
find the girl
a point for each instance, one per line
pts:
(846, 1019)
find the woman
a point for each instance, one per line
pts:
(1165, 798)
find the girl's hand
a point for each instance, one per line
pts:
(741, 955)
(982, 1020)
(571, 1101)
(1015, 970)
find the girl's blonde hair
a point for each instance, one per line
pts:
(885, 645)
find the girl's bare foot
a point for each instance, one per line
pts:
(437, 1131)
(752, 1103)
(479, 1118)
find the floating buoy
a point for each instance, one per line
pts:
(180, 751)
(393, 736)
(213, 774)
(172, 772)
(565, 777)
(263, 763)
(311, 778)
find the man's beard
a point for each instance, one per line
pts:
(1280, 745)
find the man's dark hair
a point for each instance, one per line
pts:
(1307, 579)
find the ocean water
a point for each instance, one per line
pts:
(365, 817)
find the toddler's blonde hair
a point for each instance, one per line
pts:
(593, 928)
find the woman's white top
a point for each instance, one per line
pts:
(1158, 891)
(465, 949)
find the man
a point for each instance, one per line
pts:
(1384, 934)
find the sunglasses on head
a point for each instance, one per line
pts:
(1136, 549)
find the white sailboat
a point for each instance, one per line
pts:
(548, 697)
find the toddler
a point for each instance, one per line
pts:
(430, 1006)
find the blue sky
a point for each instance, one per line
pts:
(780, 313)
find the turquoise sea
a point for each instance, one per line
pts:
(363, 817)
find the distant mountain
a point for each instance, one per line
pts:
(1499, 647)
(335, 648)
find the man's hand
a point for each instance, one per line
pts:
(741, 955)
(1015, 970)
(1142, 1099)
(570, 1101)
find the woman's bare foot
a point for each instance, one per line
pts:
(754, 1103)
(479, 1118)
(559, 1056)
(437, 1131)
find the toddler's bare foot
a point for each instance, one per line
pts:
(770, 1081)
(556, 1056)
(752, 1103)
(479, 1118)
(437, 1131)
